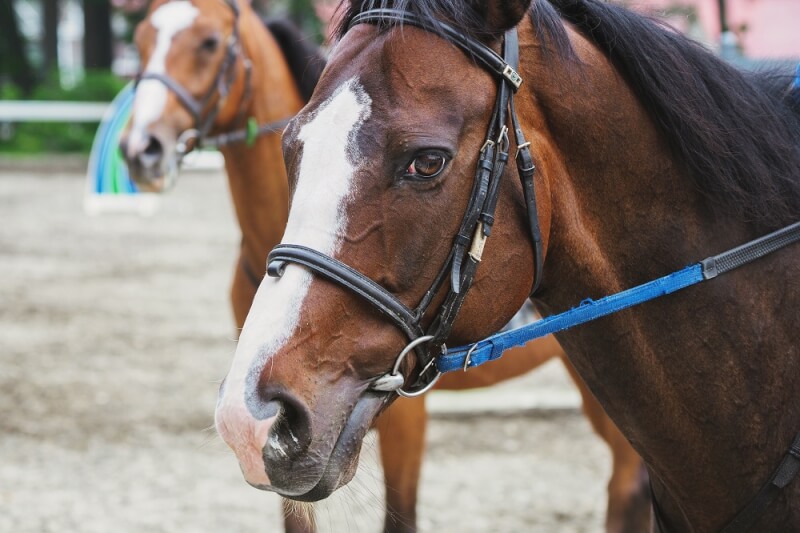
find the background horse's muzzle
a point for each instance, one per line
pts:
(150, 159)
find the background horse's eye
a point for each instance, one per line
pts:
(209, 44)
(426, 166)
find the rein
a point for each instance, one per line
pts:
(491, 348)
(247, 135)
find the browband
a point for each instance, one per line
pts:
(490, 59)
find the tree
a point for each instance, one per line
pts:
(13, 59)
(302, 13)
(50, 16)
(97, 42)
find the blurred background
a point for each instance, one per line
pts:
(81, 50)
(115, 329)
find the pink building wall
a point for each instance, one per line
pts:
(765, 28)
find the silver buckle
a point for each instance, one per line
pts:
(182, 144)
(393, 381)
(468, 357)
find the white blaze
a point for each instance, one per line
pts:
(317, 220)
(151, 95)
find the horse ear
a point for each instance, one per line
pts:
(501, 15)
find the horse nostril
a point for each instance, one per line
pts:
(290, 434)
(152, 153)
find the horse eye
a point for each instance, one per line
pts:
(426, 166)
(209, 44)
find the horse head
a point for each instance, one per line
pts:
(382, 165)
(193, 79)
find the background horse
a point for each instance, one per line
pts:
(187, 45)
(651, 154)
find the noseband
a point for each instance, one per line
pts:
(476, 225)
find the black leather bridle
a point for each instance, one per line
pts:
(476, 225)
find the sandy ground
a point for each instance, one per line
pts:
(114, 331)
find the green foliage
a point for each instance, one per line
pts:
(301, 12)
(38, 137)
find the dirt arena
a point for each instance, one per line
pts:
(114, 332)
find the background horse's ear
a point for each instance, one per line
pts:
(501, 15)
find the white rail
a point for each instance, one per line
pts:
(40, 111)
(43, 111)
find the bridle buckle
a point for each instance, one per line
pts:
(468, 358)
(182, 144)
(393, 381)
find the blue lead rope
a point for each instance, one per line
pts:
(491, 348)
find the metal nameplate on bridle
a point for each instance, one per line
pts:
(513, 76)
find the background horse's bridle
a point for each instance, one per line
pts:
(475, 228)
(203, 119)
(223, 81)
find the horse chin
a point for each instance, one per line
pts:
(157, 179)
(150, 185)
(343, 460)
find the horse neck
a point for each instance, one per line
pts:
(624, 212)
(256, 174)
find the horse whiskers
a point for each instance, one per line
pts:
(301, 510)
(370, 468)
(356, 497)
(371, 500)
(348, 500)
(214, 440)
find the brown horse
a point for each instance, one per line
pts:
(650, 154)
(196, 54)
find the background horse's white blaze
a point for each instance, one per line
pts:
(151, 95)
(317, 219)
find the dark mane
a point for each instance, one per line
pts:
(461, 14)
(737, 134)
(304, 57)
(458, 13)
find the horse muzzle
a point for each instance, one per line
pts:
(151, 161)
(278, 449)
